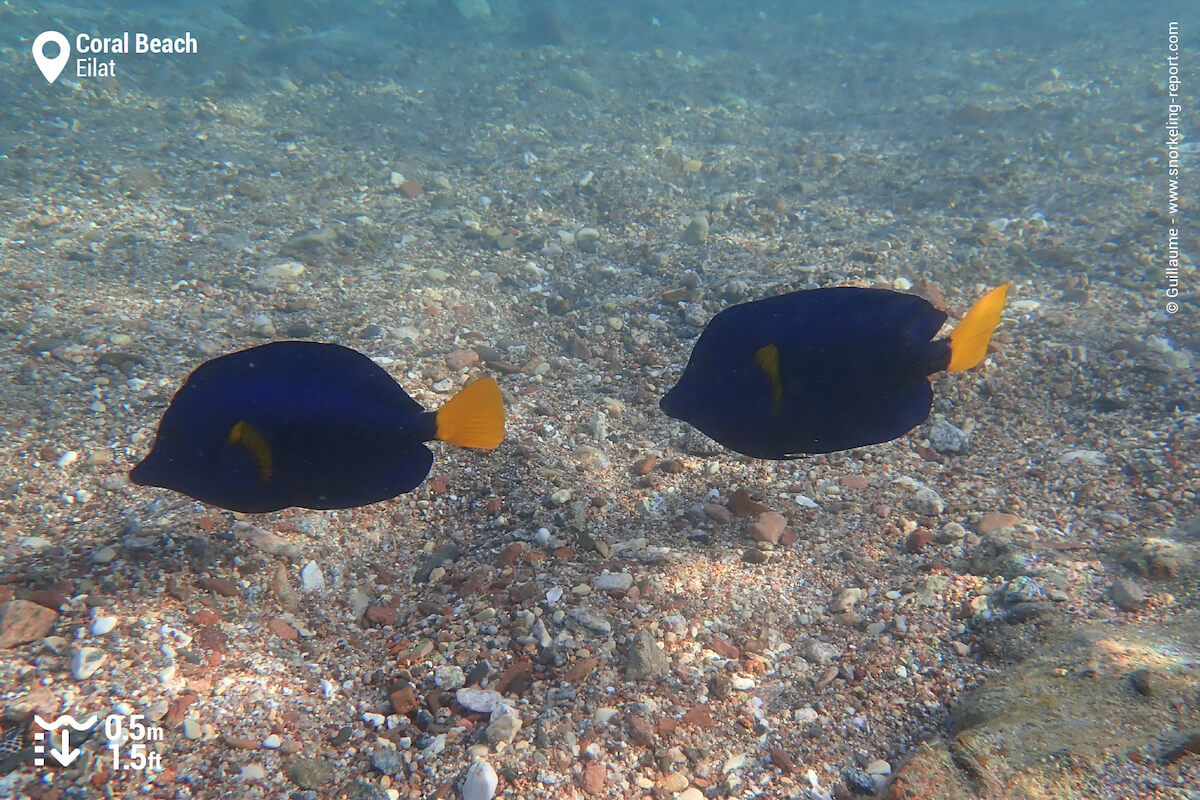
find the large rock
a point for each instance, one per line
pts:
(1071, 702)
(1158, 559)
(22, 621)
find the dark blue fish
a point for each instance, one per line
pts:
(306, 424)
(823, 370)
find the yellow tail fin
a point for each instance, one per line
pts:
(969, 339)
(474, 417)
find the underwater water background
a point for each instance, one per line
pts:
(561, 195)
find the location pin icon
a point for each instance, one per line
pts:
(51, 67)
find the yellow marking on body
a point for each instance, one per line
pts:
(246, 435)
(767, 359)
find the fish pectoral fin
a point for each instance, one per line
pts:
(969, 339)
(766, 358)
(248, 437)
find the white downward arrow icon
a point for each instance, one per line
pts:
(66, 755)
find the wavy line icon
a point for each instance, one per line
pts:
(64, 754)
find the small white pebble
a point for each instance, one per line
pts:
(191, 729)
(254, 772)
(103, 625)
(272, 742)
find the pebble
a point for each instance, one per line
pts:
(951, 532)
(1127, 595)
(945, 438)
(673, 783)
(768, 527)
(103, 625)
(918, 539)
(504, 725)
(753, 555)
(86, 661)
(927, 502)
(481, 781)
(461, 359)
(879, 771)
(995, 521)
(311, 773)
(285, 270)
(999, 554)
(388, 760)
(821, 653)
(855, 483)
(262, 326)
(646, 661)
(485, 701)
(845, 600)
(581, 669)
(805, 715)
(605, 715)
(447, 553)
(690, 793)
(449, 677)
(270, 543)
(192, 729)
(587, 239)
(718, 513)
(859, 781)
(254, 772)
(591, 620)
(272, 742)
(311, 579)
(613, 582)
(1022, 589)
(697, 230)
(23, 621)
(1144, 680)
(104, 554)
(1091, 458)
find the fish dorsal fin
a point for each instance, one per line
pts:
(767, 360)
(248, 436)
(969, 339)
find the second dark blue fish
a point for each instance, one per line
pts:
(823, 370)
(306, 424)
